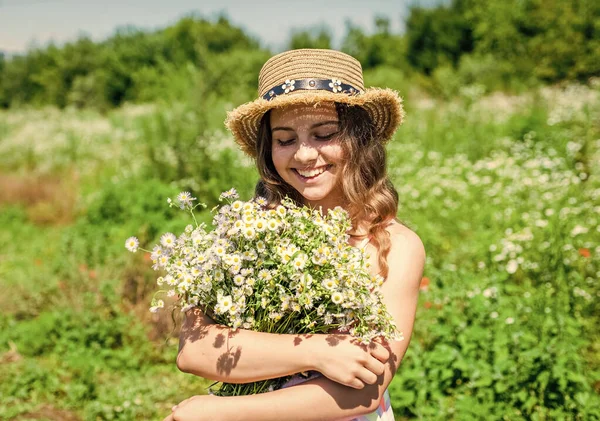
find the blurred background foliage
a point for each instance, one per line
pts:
(502, 45)
(497, 168)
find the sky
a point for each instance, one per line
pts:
(26, 23)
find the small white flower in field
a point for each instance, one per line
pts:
(494, 315)
(168, 240)
(229, 194)
(512, 266)
(261, 201)
(509, 321)
(578, 230)
(171, 293)
(337, 297)
(132, 244)
(185, 199)
(158, 305)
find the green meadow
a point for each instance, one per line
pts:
(503, 190)
(497, 166)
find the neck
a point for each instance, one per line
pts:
(329, 202)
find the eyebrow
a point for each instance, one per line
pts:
(314, 126)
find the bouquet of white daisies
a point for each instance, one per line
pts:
(287, 269)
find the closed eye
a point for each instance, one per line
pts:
(285, 142)
(326, 137)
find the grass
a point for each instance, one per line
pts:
(503, 190)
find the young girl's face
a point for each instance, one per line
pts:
(306, 151)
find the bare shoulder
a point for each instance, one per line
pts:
(406, 259)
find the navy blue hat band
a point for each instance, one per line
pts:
(332, 85)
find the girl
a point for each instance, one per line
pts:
(318, 136)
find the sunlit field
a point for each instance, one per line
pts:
(503, 190)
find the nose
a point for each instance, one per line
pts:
(305, 153)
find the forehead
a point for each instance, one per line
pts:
(303, 115)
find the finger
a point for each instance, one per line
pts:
(380, 353)
(174, 408)
(367, 377)
(169, 418)
(356, 384)
(375, 366)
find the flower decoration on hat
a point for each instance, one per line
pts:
(335, 85)
(288, 85)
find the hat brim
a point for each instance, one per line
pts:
(383, 105)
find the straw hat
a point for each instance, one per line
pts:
(311, 76)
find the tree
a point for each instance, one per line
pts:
(316, 37)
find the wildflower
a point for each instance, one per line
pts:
(249, 233)
(238, 280)
(224, 303)
(578, 230)
(329, 284)
(229, 194)
(494, 314)
(281, 211)
(185, 200)
(584, 252)
(512, 266)
(237, 206)
(168, 240)
(260, 225)
(509, 321)
(157, 305)
(132, 244)
(272, 224)
(300, 261)
(337, 297)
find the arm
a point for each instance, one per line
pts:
(216, 352)
(330, 400)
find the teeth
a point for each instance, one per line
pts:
(311, 173)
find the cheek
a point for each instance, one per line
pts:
(333, 153)
(279, 159)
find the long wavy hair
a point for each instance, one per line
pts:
(369, 194)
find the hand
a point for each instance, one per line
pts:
(197, 408)
(344, 360)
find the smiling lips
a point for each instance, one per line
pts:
(312, 173)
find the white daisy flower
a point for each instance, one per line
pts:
(185, 199)
(229, 194)
(168, 240)
(261, 201)
(260, 225)
(329, 284)
(238, 280)
(132, 244)
(337, 297)
(249, 233)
